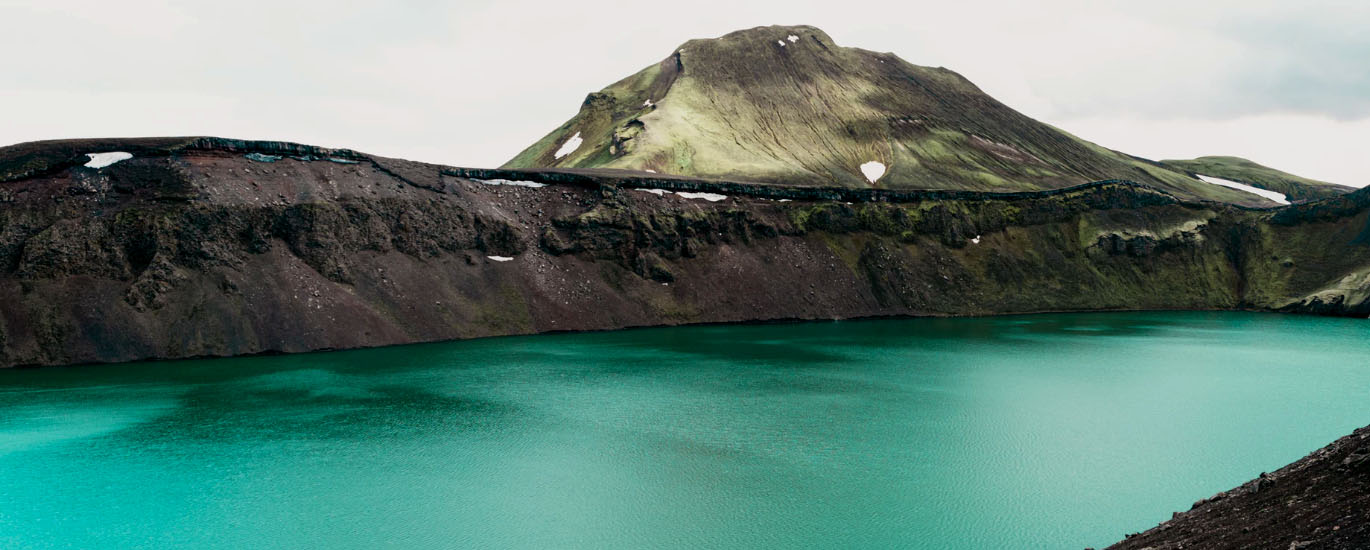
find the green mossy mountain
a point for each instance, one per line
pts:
(1240, 170)
(786, 105)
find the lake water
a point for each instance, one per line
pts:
(1046, 431)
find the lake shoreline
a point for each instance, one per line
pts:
(757, 322)
(957, 432)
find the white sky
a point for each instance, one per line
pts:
(473, 82)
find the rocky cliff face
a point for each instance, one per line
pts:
(209, 247)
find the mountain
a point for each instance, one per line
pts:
(787, 105)
(124, 249)
(1244, 171)
(116, 250)
(1319, 502)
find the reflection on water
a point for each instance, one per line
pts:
(1047, 431)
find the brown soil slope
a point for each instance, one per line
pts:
(1321, 502)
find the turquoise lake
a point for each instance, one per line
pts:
(1044, 431)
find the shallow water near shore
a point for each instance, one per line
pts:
(1042, 431)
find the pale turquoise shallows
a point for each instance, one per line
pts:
(1050, 431)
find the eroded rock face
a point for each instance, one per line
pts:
(203, 247)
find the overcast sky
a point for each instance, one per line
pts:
(473, 82)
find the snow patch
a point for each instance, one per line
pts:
(570, 146)
(651, 170)
(258, 157)
(792, 38)
(648, 103)
(501, 258)
(101, 160)
(518, 183)
(783, 200)
(781, 42)
(1277, 197)
(976, 240)
(873, 170)
(711, 197)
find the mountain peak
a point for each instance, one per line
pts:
(771, 35)
(767, 31)
(785, 104)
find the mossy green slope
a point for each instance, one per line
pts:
(1244, 171)
(785, 104)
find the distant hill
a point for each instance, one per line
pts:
(785, 104)
(1244, 171)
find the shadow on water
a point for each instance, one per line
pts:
(383, 412)
(824, 342)
(795, 344)
(1019, 431)
(405, 390)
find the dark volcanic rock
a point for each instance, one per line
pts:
(210, 247)
(1321, 502)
